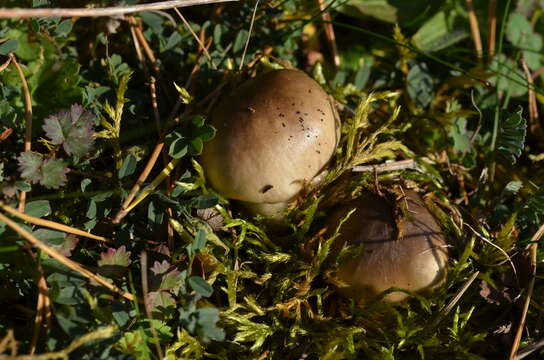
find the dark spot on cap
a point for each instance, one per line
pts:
(305, 114)
(283, 124)
(298, 112)
(317, 151)
(266, 188)
(293, 104)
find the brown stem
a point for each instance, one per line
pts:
(107, 11)
(474, 29)
(28, 119)
(491, 27)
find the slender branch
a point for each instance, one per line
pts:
(28, 119)
(202, 46)
(107, 11)
(99, 334)
(532, 252)
(50, 224)
(329, 31)
(63, 259)
(390, 166)
(491, 27)
(529, 349)
(474, 29)
(249, 34)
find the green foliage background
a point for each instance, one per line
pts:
(409, 85)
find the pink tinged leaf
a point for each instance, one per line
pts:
(30, 164)
(157, 299)
(72, 129)
(160, 267)
(56, 126)
(119, 257)
(53, 173)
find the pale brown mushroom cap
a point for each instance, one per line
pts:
(415, 262)
(274, 134)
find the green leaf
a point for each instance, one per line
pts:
(507, 76)
(64, 28)
(517, 29)
(128, 167)
(419, 84)
(38, 208)
(200, 285)
(438, 32)
(30, 164)
(511, 138)
(54, 173)
(8, 46)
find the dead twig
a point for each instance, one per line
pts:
(529, 349)
(249, 35)
(474, 29)
(50, 224)
(106, 11)
(99, 334)
(445, 311)
(533, 247)
(491, 27)
(28, 119)
(63, 259)
(389, 166)
(534, 124)
(200, 43)
(43, 310)
(329, 31)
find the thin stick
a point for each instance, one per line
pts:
(141, 179)
(148, 308)
(532, 252)
(329, 31)
(491, 27)
(106, 11)
(43, 310)
(160, 178)
(534, 124)
(99, 334)
(202, 46)
(442, 314)
(249, 35)
(390, 166)
(50, 224)
(5, 64)
(63, 259)
(529, 349)
(474, 29)
(28, 119)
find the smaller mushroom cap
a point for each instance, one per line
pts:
(416, 261)
(275, 133)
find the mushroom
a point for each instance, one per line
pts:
(410, 253)
(275, 134)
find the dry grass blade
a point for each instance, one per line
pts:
(43, 310)
(329, 31)
(50, 224)
(534, 121)
(249, 35)
(529, 349)
(63, 259)
(141, 179)
(532, 252)
(491, 27)
(389, 166)
(446, 310)
(107, 11)
(474, 29)
(28, 119)
(202, 46)
(99, 334)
